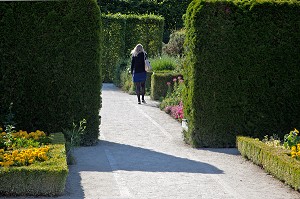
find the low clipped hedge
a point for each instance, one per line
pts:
(274, 160)
(159, 85)
(44, 178)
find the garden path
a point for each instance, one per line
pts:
(141, 155)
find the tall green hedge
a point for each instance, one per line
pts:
(171, 10)
(242, 70)
(49, 64)
(123, 32)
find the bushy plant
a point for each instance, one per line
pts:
(164, 63)
(74, 138)
(291, 139)
(175, 45)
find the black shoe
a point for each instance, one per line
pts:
(139, 102)
(144, 101)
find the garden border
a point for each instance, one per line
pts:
(274, 160)
(47, 178)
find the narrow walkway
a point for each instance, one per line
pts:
(141, 155)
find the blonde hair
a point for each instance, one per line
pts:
(137, 49)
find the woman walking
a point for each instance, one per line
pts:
(138, 72)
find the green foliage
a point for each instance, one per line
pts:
(74, 138)
(273, 140)
(273, 159)
(174, 95)
(74, 135)
(291, 139)
(171, 10)
(122, 66)
(49, 65)
(42, 178)
(175, 45)
(10, 139)
(172, 103)
(164, 63)
(241, 70)
(159, 86)
(122, 33)
(125, 79)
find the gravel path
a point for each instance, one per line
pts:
(141, 155)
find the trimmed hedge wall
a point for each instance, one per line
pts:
(242, 70)
(159, 85)
(171, 10)
(49, 64)
(274, 160)
(123, 32)
(45, 178)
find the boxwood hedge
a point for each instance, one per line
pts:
(276, 161)
(242, 70)
(44, 178)
(50, 64)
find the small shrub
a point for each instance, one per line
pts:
(164, 63)
(175, 45)
(291, 139)
(74, 139)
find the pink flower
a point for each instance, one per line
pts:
(168, 83)
(179, 77)
(168, 109)
(175, 111)
(175, 79)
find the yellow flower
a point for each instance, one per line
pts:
(5, 164)
(15, 153)
(294, 148)
(296, 131)
(3, 133)
(30, 161)
(1, 129)
(1, 150)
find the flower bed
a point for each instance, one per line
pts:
(30, 167)
(275, 160)
(172, 103)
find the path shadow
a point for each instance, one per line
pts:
(131, 158)
(110, 87)
(106, 157)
